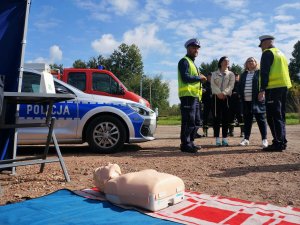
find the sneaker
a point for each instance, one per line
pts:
(244, 142)
(265, 143)
(218, 142)
(224, 142)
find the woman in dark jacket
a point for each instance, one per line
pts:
(248, 91)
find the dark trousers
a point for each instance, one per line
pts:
(198, 117)
(206, 111)
(275, 105)
(220, 109)
(190, 117)
(235, 110)
(248, 119)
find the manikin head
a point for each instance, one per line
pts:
(105, 173)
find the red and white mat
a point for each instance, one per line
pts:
(198, 208)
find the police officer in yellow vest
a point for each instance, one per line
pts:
(275, 81)
(189, 90)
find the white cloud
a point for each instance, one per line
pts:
(105, 45)
(192, 30)
(283, 12)
(105, 10)
(38, 60)
(87, 4)
(122, 7)
(55, 54)
(145, 38)
(287, 31)
(168, 63)
(46, 24)
(103, 17)
(227, 22)
(250, 29)
(232, 4)
(285, 7)
(283, 18)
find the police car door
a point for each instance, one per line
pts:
(66, 114)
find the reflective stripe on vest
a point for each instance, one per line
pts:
(189, 89)
(279, 72)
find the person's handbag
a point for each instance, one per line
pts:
(1, 92)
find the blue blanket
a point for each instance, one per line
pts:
(65, 207)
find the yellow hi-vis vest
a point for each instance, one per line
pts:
(279, 72)
(189, 89)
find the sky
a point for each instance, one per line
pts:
(62, 31)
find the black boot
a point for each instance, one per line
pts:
(231, 131)
(205, 130)
(242, 131)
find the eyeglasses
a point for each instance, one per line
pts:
(250, 61)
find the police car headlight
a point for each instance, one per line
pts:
(140, 109)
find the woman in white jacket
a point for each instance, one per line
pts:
(222, 83)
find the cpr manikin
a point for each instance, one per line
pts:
(148, 189)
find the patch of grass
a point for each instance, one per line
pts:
(291, 119)
(169, 120)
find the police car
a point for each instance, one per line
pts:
(106, 123)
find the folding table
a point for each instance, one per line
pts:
(34, 98)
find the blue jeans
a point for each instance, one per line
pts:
(248, 119)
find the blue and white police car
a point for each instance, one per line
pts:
(106, 123)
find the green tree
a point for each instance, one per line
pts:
(95, 62)
(206, 68)
(55, 66)
(235, 68)
(79, 64)
(294, 66)
(156, 92)
(126, 63)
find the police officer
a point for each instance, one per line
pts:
(189, 89)
(275, 81)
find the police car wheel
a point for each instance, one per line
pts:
(106, 134)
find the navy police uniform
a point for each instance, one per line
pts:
(275, 82)
(188, 89)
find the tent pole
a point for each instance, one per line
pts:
(21, 78)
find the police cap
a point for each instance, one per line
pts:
(265, 37)
(193, 42)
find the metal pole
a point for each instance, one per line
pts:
(21, 78)
(141, 86)
(150, 93)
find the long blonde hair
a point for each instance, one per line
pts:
(245, 64)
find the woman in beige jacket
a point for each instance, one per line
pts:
(222, 83)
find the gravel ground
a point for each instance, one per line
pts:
(234, 171)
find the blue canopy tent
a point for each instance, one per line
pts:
(13, 29)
